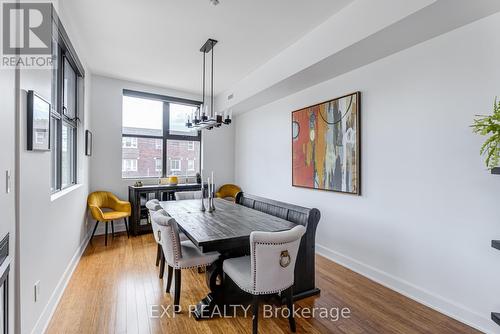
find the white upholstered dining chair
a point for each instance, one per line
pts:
(182, 195)
(269, 269)
(178, 254)
(153, 206)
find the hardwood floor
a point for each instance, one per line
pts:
(113, 288)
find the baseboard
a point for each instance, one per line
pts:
(44, 320)
(427, 298)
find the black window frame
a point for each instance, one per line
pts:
(167, 100)
(65, 51)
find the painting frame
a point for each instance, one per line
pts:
(34, 111)
(89, 142)
(357, 147)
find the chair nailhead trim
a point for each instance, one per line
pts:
(174, 244)
(253, 292)
(255, 273)
(177, 266)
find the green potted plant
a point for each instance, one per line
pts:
(490, 126)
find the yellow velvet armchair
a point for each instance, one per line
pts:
(228, 191)
(106, 207)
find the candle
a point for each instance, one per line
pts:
(208, 180)
(212, 179)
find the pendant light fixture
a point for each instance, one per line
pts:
(205, 117)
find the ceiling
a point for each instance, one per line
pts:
(157, 41)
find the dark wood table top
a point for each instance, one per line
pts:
(229, 226)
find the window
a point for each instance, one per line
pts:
(158, 165)
(67, 156)
(178, 149)
(129, 142)
(129, 165)
(66, 84)
(154, 134)
(177, 119)
(40, 137)
(175, 165)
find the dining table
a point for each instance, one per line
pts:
(226, 230)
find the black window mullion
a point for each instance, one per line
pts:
(60, 99)
(166, 129)
(184, 138)
(125, 135)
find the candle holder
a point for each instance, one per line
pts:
(210, 207)
(203, 209)
(212, 204)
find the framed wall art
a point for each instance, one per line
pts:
(38, 122)
(88, 143)
(326, 145)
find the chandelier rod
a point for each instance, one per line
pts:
(203, 79)
(212, 84)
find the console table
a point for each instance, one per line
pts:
(138, 196)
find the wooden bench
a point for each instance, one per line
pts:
(305, 266)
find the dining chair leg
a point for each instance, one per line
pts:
(113, 228)
(158, 255)
(289, 304)
(162, 265)
(106, 236)
(95, 228)
(255, 317)
(177, 292)
(169, 278)
(126, 227)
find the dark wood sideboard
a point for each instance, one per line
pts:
(138, 196)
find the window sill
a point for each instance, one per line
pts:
(64, 192)
(139, 178)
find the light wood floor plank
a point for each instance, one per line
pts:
(113, 289)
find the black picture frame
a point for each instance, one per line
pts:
(38, 122)
(88, 143)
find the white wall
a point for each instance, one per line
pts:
(52, 231)
(429, 208)
(7, 163)
(326, 39)
(106, 161)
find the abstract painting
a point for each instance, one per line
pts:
(326, 145)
